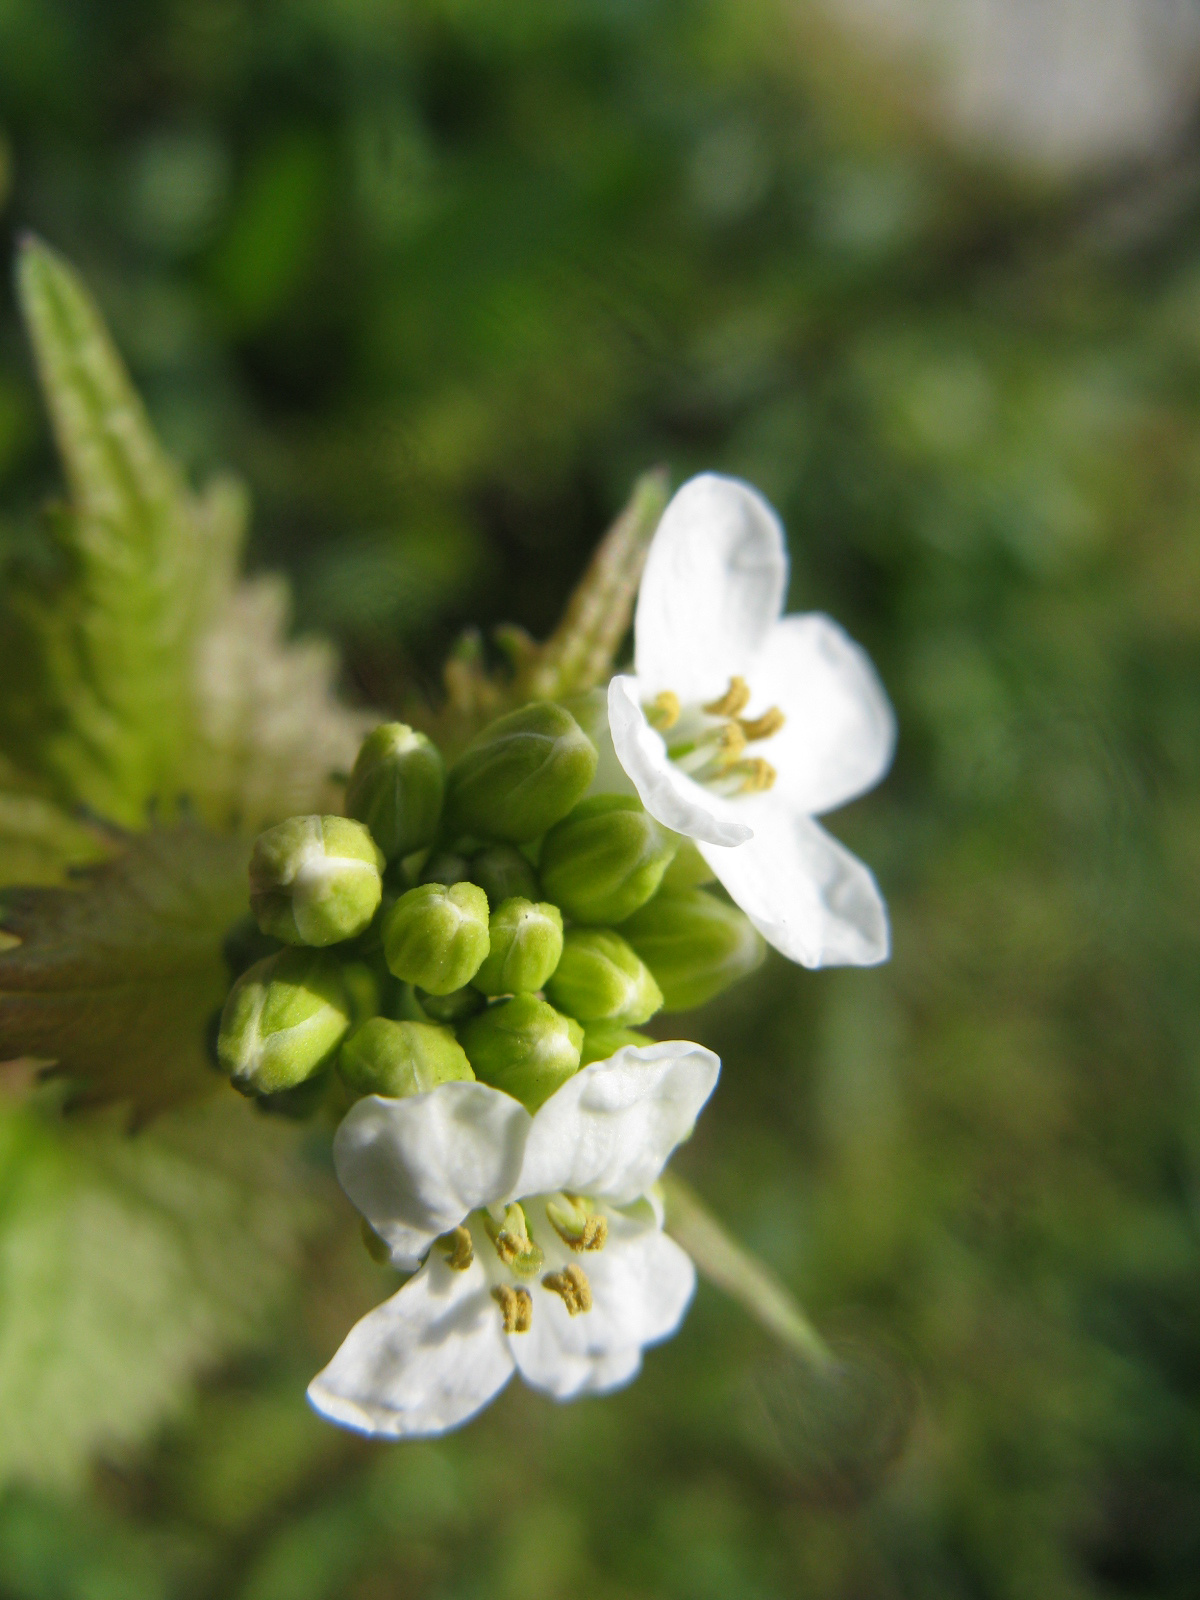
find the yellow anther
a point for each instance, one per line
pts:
(735, 699)
(576, 1224)
(457, 1248)
(757, 776)
(763, 727)
(513, 1244)
(572, 1286)
(663, 711)
(516, 1307)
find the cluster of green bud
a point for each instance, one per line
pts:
(484, 919)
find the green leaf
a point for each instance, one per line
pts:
(101, 706)
(130, 1265)
(114, 981)
(144, 675)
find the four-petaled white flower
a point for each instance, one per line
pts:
(739, 725)
(543, 1251)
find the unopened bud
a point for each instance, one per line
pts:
(364, 990)
(520, 775)
(606, 859)
(283, 1020)
(501, 871)
(694, 944)
(396, 788)
(401, 1058)
(436, 936)
(457, 1006)
(446, 866)
(689, 868)
(601, 979)
(524, 1047)
(604, 1039)
(315, 880)
(527, 941)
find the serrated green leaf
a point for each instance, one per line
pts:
(146, 676)
(115, 980)
(130, 1264)
(102, 707)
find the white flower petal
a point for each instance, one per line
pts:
(803, 891)
(668, 794)
(840, 732)
(642, 1283)
(612, 1127)
(423, 1362)
(714, 584)
(415, 1167)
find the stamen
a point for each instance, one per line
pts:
(576, 1224)
(723, 743)
(516, 1307)
(663, 711)
(513, 1244)
(763, 727)
(745, 777)
(572, 1285)
(735, 699)
(457, 1248)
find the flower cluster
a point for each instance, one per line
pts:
(469, 953)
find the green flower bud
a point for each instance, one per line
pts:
(457, 1006)
(401, 1058)
(520, 775)
(524, 1047)
(315, 880)
(436, 936)
(606, 859)
(501, 871)
(604, 1039)
(396, 788)
(689, 868)
(364, 991)
(694, 944)
(446, 866)
(600, 979)
(283, 1019)
(526, 941)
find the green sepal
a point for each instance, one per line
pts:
(283, 1020)
(396, 788)
(401, 1058)
(315, 880)
(524, 1047)
(600, 978)
(520, 776)
(606, 859)
(436, 936)
(695, 945)
(526, 944)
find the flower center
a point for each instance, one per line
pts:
(709, 742)
(576, 1221)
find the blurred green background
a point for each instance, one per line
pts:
(439, 279)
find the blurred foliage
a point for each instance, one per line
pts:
(439, 279)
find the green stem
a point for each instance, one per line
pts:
(724, 1262)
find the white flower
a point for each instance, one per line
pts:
(541, 1249)
(739, 725)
